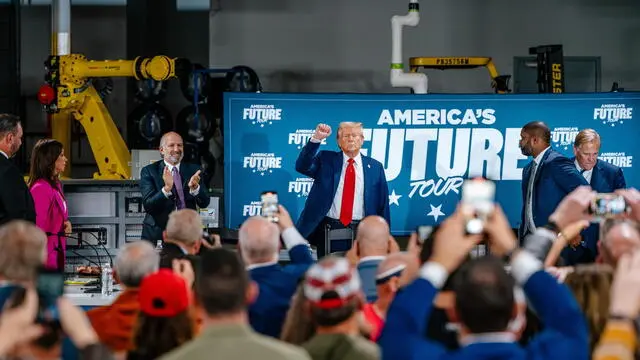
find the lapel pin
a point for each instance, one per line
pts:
(369, 166)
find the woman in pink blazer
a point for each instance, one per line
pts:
(47, 163)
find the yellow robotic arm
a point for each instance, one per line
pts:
(500, 83)
(68, 89)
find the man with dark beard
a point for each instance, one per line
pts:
(169, 185)
(546, 180)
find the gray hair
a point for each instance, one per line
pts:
(22, 250)
(259, 240)
(184, 226)
(135, 261)
(8, 124)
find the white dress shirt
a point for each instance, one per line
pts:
(358, 199)
(529, 206)
(167, 194)
(587, 173)
(5, 154)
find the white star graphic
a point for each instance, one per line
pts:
(253, 122)
(435, 212)
(612, 125)
(604, 122)
(254, 170)
(261, 125)
(261, 174)
(621, 122)
(393, 198)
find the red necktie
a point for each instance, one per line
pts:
(348, 192)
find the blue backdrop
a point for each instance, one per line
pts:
(427, 143)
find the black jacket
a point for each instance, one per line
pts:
(15, 198)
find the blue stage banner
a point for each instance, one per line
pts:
(428, 144)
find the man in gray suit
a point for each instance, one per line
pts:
(225, 290)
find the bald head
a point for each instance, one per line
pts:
(621, 238)
(373, 236)
(259, 240)
(172, 148)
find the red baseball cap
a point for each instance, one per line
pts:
(163, 294)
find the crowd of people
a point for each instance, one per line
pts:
(562, 287)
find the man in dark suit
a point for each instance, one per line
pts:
(347, 185)
(603, 178)
(546, 180)
(169, 185)
(259, 243)
(15, 199)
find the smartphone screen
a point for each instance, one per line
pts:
(479, 195)
(606, 206)
(50, 287)
(269, 200)
(423, 232)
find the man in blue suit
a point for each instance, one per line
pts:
(485, 308)
(603, 178)
(546, 180)
(259, 242)
(347, 185)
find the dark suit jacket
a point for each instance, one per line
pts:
(157, 206)
(325, 167)
(556, 177)
(170, 252)
(606, 178)
(276, 285)
(15, 198)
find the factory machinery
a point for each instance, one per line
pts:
(549, 62)
(105, 211)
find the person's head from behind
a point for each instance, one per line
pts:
(586, 148)
(334, 296)
(164, 322)
(373, 236)
(47, 161)
(172, 148)
(184, 228)
(484, 297)
(10, 134)
(259, 241)
(223, 286)
(620, 237)
(134, 262)
(22, 251)
(534, 137)
(591, 285)
(388, 275)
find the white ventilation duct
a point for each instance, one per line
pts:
(416, 81)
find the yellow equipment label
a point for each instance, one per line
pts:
(452, 61)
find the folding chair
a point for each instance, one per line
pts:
(332, 235)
